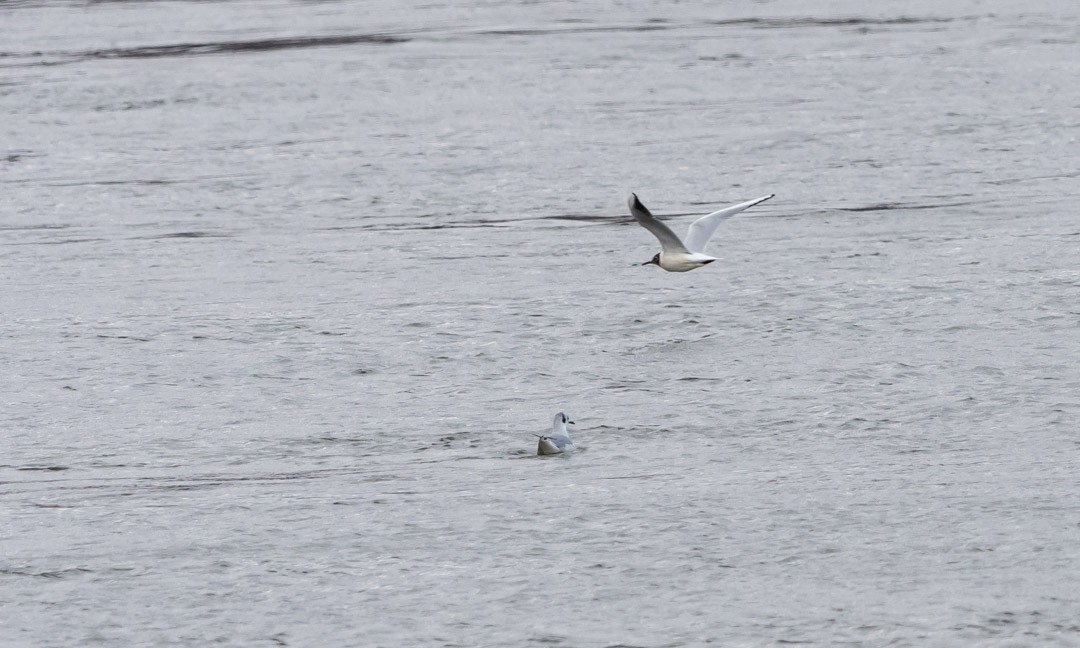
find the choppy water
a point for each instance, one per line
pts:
(287, 287)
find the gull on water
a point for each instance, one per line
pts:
(682, 255)
(558, 441)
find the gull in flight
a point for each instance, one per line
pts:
(682, 255)
(558, 441)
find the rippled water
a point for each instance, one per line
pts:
(288, 287)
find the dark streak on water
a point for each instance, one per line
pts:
(225, 47)
(340, 40)
(904, 206)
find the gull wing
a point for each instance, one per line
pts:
(552, 445)
(703, 228)
(559, 440)
(669, 241)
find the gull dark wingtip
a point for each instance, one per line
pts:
(635, 203)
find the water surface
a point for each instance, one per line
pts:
(288, 287)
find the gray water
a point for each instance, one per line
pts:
(287, 288)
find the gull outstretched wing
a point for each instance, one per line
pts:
(669, 242)
(703, 228)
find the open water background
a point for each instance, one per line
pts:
(288, 286)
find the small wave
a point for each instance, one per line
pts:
(850, 21)
(51, 574)
(183, 235)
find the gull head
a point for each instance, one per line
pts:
(653, 261)
(561, 419)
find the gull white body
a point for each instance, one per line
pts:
(683, 255)
(558, 441)
(683, 262)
